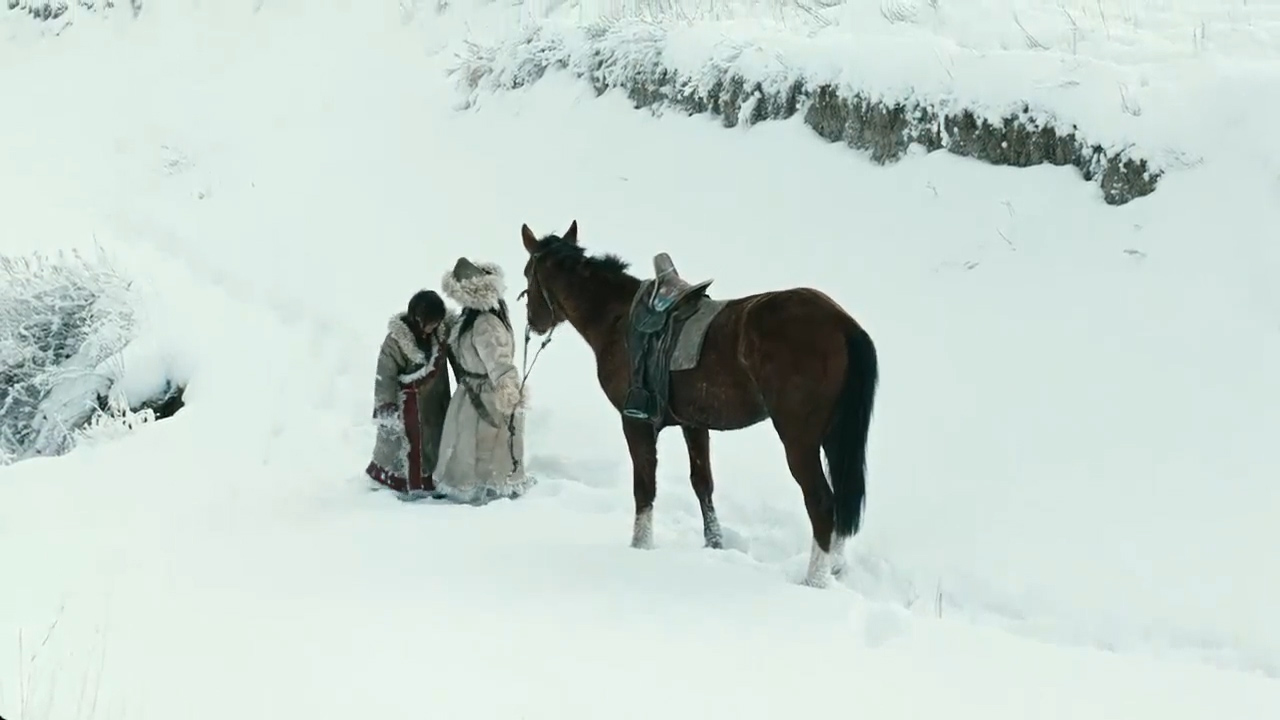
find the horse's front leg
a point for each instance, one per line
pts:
(642, 442)
(698, 440)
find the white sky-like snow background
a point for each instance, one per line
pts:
(1073, 455)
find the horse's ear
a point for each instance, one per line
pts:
(530, 240)
(571, 236)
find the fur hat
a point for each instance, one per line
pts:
(478, 285)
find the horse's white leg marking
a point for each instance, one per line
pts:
(642, 533)
(819, 568)
(837, 554)
(711, 528)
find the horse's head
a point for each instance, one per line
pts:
(543, 310)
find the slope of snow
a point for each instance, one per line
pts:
(1072, 494)
(1161, 80)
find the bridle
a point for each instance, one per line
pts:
(527, 366)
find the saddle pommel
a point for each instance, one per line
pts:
(668, 287)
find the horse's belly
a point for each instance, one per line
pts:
(716, 404)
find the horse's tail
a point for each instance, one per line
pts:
(846, 439)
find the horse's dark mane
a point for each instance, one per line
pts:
(572, 257)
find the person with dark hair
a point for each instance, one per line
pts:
(411, 396)
(482, 452)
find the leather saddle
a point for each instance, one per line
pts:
(658, 314)
(668, 287)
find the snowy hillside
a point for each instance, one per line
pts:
(1072, 497)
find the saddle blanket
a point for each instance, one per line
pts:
(688, 349)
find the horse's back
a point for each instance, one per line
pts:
(789, 313)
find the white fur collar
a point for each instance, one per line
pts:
(400, 332)
(480, 293)
(417, 359)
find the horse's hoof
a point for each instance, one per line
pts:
(642, 531)
(818, 582)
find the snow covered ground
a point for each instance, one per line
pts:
(1072, 498)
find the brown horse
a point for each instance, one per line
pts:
(791, 356)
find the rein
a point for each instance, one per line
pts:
(527, 366)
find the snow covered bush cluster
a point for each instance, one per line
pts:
(64, 321)
(54, 9)
(732, 75)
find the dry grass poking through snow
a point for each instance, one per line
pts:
(35, 693)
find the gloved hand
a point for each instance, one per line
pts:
(507, 397)
(388, 415)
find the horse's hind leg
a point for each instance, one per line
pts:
(805, 462)
(838, 562)
(642, 442)
(698, 440)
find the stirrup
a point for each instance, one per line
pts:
(639, 404)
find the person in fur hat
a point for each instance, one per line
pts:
(411, 397)
(482, 452)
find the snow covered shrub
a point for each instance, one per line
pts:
(114, 417)
(54, 9)
(40, 9)
(61, 320)
(114, 420)
(510, 66)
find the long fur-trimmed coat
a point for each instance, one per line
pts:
(482, 451)
(410, 398)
